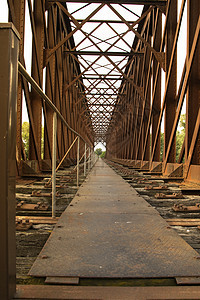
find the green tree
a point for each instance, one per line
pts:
(42, 143)
(98, 151)
(180, 135)
(161, 145)
(182, 121)
(103, 154)
(25, 137)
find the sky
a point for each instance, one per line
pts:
(27, 52)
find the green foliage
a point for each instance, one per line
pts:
(161, 145)
(179, 142)
(103, 154)
(42, 144)
(182, 121)
(180, 135)
(98, 151)
(25, 137)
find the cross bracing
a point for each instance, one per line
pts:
(111, 68)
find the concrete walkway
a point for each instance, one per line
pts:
(109, 231)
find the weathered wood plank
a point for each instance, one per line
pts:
(94, 292)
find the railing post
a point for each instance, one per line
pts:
(54, 165)
(89, 160)
(85, 160)
(92, 158)
(9, 39)
(78, 154)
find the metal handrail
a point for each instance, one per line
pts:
(56, 114)
(47, 100)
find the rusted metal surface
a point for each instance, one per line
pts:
(183, 222)
(171, 75)
(110, 91)
(193, 91)
(9, 38)
(28, 206)
(23, 225)
(37, 220)
(169, 196)
(162, 187)
(36, 193)
(118, 235)
(115, 96)
(184, 208)
(108, 88)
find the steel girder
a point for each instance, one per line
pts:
(108, 87)
(138, 124)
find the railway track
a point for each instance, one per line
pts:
(159, 192)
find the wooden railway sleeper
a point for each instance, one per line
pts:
(184, 208)
(27, 206)
(170, 196)
(59, 186)
(22, 225)
(40, 194)
(160, 187)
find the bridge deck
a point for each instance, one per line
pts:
(109, 231)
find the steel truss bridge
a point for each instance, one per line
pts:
(101, 72)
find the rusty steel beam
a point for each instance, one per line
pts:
(19, 11)
(173, 56)
(9, 39)
(78, 78)
(171, 102)
(139, 2)
(105, 53)
(37, 61)
(157, 97)
(50, 85)
(193, 94)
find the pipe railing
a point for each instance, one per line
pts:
(47, 100)
(57, 115)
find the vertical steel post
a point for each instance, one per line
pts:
(9, 39)
(78, 154)
(89, 160)
(193, 92)
(54, 165)
(171, 102)
(85, 160)
(157, 97)
(50, 84)
(37, 56)
(19, 21)
(91, 163)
